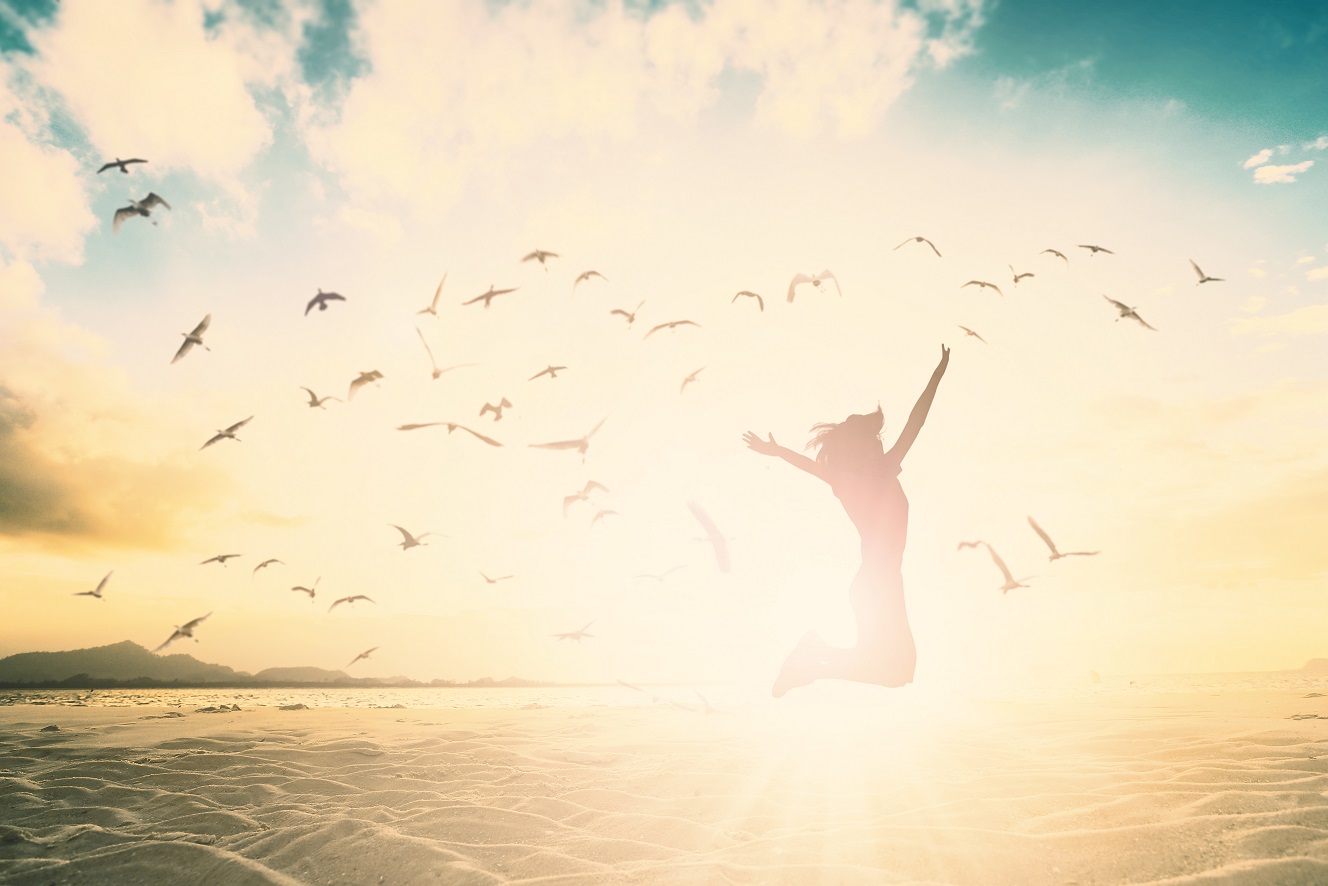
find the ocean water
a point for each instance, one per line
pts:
(684, 697)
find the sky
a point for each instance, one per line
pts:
(685, 152)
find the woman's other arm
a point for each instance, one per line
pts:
(919, 413)
(770, 447)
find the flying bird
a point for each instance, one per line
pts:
(316, 401)
(920, 240)
(1204, 278)
(350, 599)
(659, 576)
(672, 324)
(1018, 276)
(601, 514)
(984, 284)
(409, 541)
(182, 631)
(220, 558)
(122, 165)
(1057, 253)
(496, 410)
(1055, 554)
(583, 495)
(541, 256)
(96, 592)
(195, 337)
(365, 655)
(1010, 583)
(586, 275)
(577, 634)
(321, 299)
(551, 371)
(142, 207)
(968, 331)
(815, 280)
(361, 380)
(451, 426)
(580, 445)
(434, 363)
(433, 305)
(311, 591)
(227, 433)
(630, 315)
(489, 296)
(688, 380)
(494, 581)
(264, 565)
(1127, 311)
(713, 535)
(1094, 250)
(760, 302)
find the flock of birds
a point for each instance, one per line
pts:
(323, 300)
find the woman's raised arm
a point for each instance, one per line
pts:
(919, 413)
(770, 447)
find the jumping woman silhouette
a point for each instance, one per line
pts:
(865, 478)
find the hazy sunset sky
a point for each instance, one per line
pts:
(686, 151)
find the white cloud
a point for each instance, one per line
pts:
(1319, 144)
(1317, 273)
(1254, 304)
(1305, 260)
(1259, 158)
(1309, 320)
(1257, 272)
(1267, 175)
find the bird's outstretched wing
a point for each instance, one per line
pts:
(119, 219)
(1000, 564)
(760, 302)
(1046, 539)
(1056, 253)
(406, 536)
(151, 201)
(1133, 316)
(101, 585)
(826, 275)
(202, 326)
(190, 625)
(1120, 306)
(433, 305)
(797, 280)
(239, 424)
(185, 347)
(175, 635)
(452, 426)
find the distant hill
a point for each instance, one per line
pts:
(1317, 665)
(301, 675)
(119, 661)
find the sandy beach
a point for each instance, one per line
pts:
(1159, 788)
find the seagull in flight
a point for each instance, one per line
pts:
(227, 433)
(986, 285)
(1055, 554)
(601, 514)
(182, 631)
(1018, 276)
(713, 535)
(361, 380)
(365, 655)
(122, 165)
(142, 207)
(409, 541)
(496, 410)
(672, 324)
(494, 581)
(311, 591)
(551, 371)
(350, 599)
(321, 299)
(630, 315)
(580, 445)
(220, 558)
(433, 305)
(489, 296)
(541, 256)
(968, 331)
(1127, 311)
(451, 426)
(1057, 253)
(760, 302)
(1010, 583)
(583, 495)
(316, 401)
(920, 240)
(195, 337)
(814, 279)
(1204, 278)
(577, 634)
(265, 564)
(434, 363)
(659, 576)
(586, 275)
(96, 592)
(1094, 250)
(689, 379)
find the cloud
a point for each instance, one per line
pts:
(1319, 144)
(1309, 320)
(1259, 158)
(1267, 175)
(1254, 304)
(1317, 273)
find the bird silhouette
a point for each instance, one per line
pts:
(541, 256)
(495, 580)
(122, 165)
(451, 426)
(760, 302)
(1055, 554)
(1204, 278)
(409, 541)
(583, 495)
(551, 371)
(581, 444)
(264, 565)
(672, 324)
(227, 433)
(814, 279)
(433, 364)
(1018, 276)
(920, 240)
(182, 631)
(96, 592)
(630, 315)
(984, 284)
(365, 655)
(361, 380)
(576, 635)
(968, 331)
(220, 558)
(601, 514)
(584, 276)
(659, 576)
(142, 207)
(433, 305)
(194, 337)
(350, 599)
(496, 410)
(1010, 583)
(489, 296)
(311, 591)
(1127, 311)
(1057, 253)
(1094, 250)
(688, 380)
(321, 299)
(316, 401)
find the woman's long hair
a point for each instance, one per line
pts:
(840, 443)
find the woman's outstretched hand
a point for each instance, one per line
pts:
(765, 447)
(945, 357)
